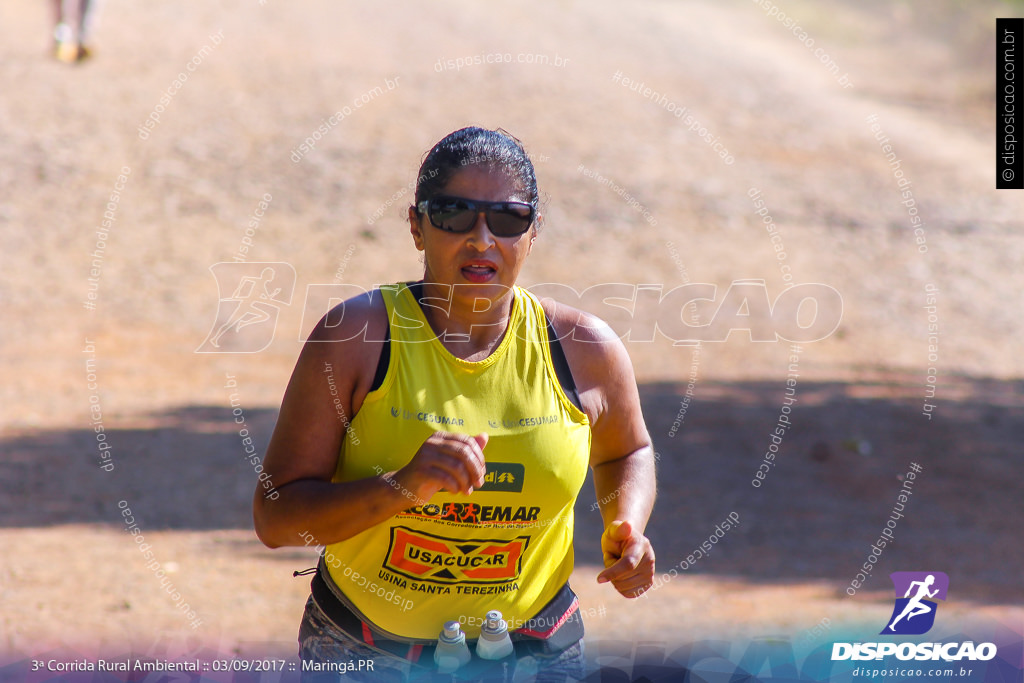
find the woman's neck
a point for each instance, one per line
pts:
(470, 327)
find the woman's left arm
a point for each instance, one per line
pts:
(621, 454)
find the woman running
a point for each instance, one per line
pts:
(435, 435)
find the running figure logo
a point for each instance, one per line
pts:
(914, 613)
(247, 318)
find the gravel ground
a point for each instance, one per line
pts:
(268, 74)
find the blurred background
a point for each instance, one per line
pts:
(789, 100)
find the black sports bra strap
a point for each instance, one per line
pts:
(562, 370)
(384, 361)
(416, 288)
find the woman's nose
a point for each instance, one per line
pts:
(481, 233)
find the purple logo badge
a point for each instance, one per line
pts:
(916, 593)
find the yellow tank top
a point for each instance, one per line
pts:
(507, 546)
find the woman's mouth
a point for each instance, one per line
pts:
(478, 272)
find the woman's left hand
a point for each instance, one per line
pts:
(628, 559)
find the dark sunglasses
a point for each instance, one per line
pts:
(454, 214)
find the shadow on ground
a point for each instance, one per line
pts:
(826, 499)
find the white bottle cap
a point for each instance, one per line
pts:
(494, 642)
(494, 623)
(452, 630)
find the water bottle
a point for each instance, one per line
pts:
(451, 651)
(494, 642)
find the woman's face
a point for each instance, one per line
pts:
(490, 264)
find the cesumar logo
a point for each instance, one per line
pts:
(914, 613)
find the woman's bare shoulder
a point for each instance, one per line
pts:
(349, 339)
(361, 318)
(577, 327)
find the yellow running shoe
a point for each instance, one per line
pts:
(68, 52)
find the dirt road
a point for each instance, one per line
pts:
(605, 100)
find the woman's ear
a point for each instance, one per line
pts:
(414, 228)
(535, 230)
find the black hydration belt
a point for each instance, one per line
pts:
(347, 621)
(556, 627)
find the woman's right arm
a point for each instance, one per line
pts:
(332, 374)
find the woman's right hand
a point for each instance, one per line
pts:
(445, 462)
